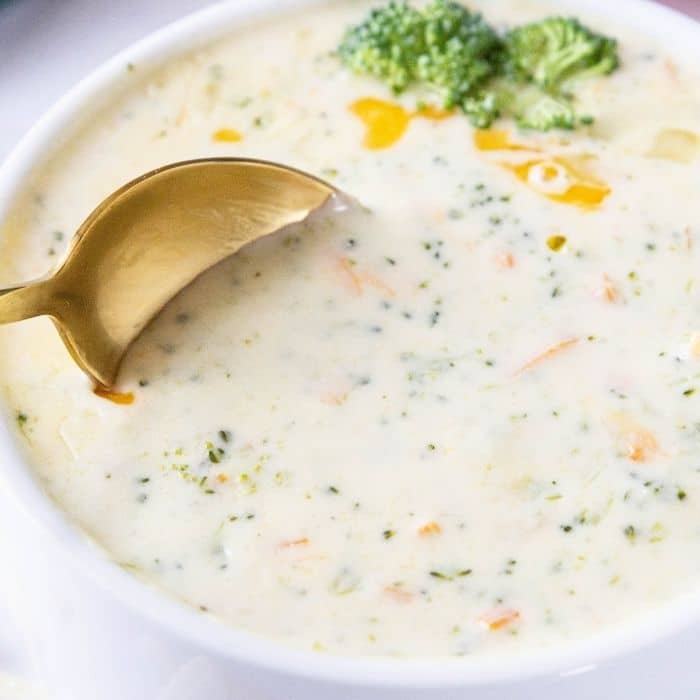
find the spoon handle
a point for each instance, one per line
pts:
(22, 302)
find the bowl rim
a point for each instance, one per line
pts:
(53, 129)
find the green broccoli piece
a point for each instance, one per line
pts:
(454, 52)
(549, 54)
(461, 55)
(557, 49)
(445, 46)
(386, 45)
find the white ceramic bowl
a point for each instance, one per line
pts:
(134, 643)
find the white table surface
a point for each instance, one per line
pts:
(45, 47)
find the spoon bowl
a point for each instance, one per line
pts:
(150, 239)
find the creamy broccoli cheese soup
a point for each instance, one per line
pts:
(462, 418)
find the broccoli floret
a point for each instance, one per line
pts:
(461, 57)
(461, 54)
(549, 54)
(557, 49)
(386, 45)
(445, 46)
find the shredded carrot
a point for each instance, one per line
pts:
(334, 399)
(355, 279)
(637, 441)
(550, 352)
(378, 284)
(349, 276)
(288, 544)
(398, 594)
(504, 260)
(498, 618)
(430, 529)
(607, 291)
(114, 396)
(222, 478)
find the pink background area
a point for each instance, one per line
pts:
(691, 7)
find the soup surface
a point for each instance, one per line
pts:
(463, 419)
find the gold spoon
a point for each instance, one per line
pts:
(151, 238)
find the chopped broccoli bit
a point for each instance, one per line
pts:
(546, 113)
(456, 53)
(482, 109)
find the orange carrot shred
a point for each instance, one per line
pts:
(607, 291)
(334, 399)
(288, 544)
(638, 442)
(398, 594)
(350, 276)
(429, 529)
(354, 279)
(378, 284)
(550, 352)
(504, 260)
(498, 618)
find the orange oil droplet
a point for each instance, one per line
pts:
(584, 191)
(434, 113)
(385, 122)
(549, 172)
(227, 135)
(582, 195)
(498, 140)
(114, 396)
(585, 194)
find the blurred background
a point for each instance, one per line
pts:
(47, 45)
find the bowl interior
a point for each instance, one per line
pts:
(54, 129)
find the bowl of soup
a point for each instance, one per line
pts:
(442, 442)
